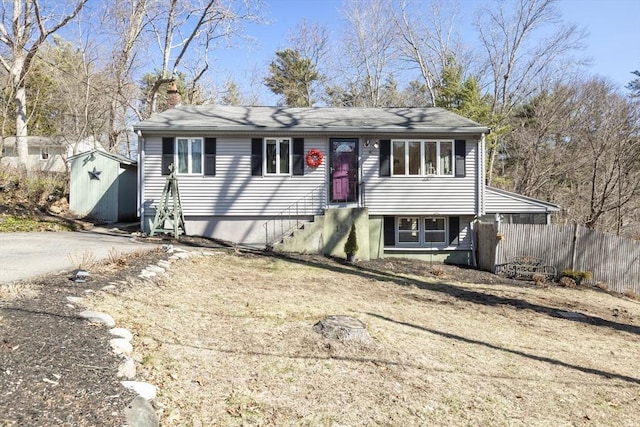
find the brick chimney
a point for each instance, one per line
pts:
(173, 97)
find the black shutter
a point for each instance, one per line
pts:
(256, 156)
(210, 156)
(167, 154)
(298, 156)
(461, 148)
(454, 230)
(389, 231)
(385, 158)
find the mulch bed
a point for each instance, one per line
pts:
(57, 369)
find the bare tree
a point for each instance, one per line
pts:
(578, 144)
(429, 40)
(192, 27)
(369, 49)
(311, 40)
(23, 31)
(130, 18)
(518, 55)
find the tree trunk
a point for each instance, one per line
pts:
(20, 100)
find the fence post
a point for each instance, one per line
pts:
(573, 246)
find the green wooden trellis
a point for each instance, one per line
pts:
(169, 218)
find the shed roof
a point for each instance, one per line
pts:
(502, 201)
(113, 156)
(314, 119)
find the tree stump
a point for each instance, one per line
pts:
(343, 328)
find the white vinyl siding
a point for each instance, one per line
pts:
(234, 191)
(421, 195)
(499, 202)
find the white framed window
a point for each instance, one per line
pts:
(189, 156)
(277, 155)
(422, 158)
(422, 231)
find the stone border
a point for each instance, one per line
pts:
(140, 412)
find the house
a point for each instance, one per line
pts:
(410, 179)
(45, 153)
(103, 186)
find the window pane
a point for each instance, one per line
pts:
(434, 231)
(271, 156)
(398, 158)
(183, 156)
(284, 156)
(434, 223)
(446, 158)
(434, 237)
(414, 158)
(408, 224)
(430, 158)
(196, 156)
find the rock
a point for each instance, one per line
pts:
(343, 328)
(122, 333)
(144, 390)
(55, 209)
(145, 274)
(140, 413)
(127, 369)
(181, 255)
(164, 264)
(155, 269)
(121, 346)
(98, 317)
(108, 288)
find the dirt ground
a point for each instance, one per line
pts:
(229, 340)
(56, 369)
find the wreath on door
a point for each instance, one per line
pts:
(314, 158)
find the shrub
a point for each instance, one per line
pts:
(630, 293)
(603, 286)
(539, 279)
(577, 275)
(438, 272)
(567, 282)
(351, 245)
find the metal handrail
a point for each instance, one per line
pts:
(288, 219)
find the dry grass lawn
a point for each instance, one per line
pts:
(229, 341)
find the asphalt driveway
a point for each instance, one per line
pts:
(29, 255)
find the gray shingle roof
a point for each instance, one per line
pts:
(264, 119)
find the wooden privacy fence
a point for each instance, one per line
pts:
(612, 260)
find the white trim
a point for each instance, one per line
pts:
(278, 140)
(423, 163)
(176, 154)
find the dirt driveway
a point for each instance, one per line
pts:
(28, 255)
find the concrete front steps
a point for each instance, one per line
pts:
(327, 234)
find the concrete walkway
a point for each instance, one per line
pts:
(29, 255)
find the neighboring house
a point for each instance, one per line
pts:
(411, 179)
(46, 153)
(103, 186)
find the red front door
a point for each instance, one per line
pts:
(344, 172)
